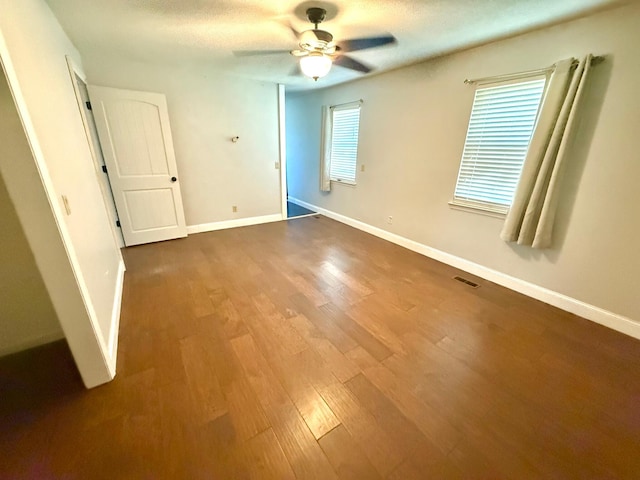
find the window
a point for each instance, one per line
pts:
(502, 121)
(345, 123)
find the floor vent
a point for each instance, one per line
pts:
(468, 282)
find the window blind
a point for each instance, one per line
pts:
(500, 128)
(344, 143)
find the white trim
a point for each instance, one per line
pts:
(282, 143)
(240, 222)
(33, 342)
(301, 203)
(301, 216)
(348, 183)
(112, 350)
(596, 314)
(298, 202)
(75, 69)
(477, 208)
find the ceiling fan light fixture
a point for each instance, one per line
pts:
(315, 65)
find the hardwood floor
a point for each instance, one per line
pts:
(307, 349)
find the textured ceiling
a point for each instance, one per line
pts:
(173, 31)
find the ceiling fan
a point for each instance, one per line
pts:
(318, 52)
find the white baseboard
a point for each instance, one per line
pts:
(112, 346)
(299, 202)
(590, 312)
(240, 222)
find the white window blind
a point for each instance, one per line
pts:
(345, 121)
(500, 128)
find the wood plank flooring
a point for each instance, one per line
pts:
(310, 350)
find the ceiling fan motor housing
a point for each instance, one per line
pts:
(316, 15)
(315, 40)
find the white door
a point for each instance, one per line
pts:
(138, 150)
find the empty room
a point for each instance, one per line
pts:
(335, 240)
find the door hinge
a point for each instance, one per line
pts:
(88, 104)
(117, 223)
(104, 168)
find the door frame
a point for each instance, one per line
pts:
(96, 154)
(282, 140)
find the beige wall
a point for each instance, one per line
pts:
(207, 109)
(27, 317)
(413, 127)
(76, 253)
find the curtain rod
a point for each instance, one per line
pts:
(594, 61)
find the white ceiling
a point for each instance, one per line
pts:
(173, 31)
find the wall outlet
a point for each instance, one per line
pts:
(234, 209)
(362, 168)
(389, 219)
(277, 165)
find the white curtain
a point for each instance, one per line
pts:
(531, 217)
(325, 150)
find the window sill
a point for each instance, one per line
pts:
(478, 208)
(343, 182)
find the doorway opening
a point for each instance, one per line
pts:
(290, 208)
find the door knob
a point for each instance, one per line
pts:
(174, 179)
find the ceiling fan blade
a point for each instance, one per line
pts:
(351, 63)
(254, 53)
(364, 43)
